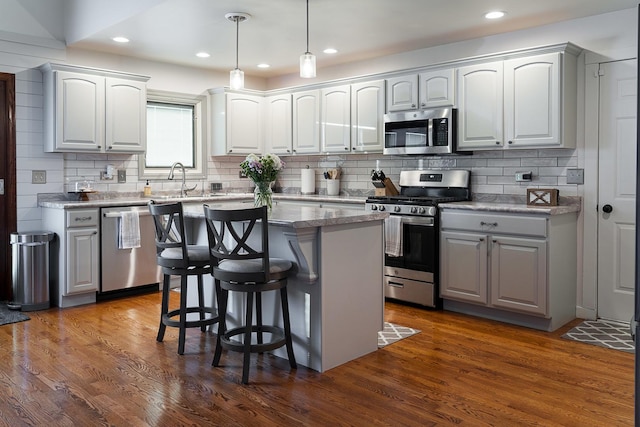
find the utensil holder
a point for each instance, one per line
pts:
(333, 187)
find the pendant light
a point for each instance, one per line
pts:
(236, 76)
(307, 59)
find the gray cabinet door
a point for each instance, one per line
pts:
(519, 274)
(463, 266)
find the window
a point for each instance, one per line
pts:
(176, 131)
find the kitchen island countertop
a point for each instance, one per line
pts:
(295, 216)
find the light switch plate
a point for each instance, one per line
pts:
(575, 176)
(122, 175)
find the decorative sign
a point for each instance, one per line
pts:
(542, 197)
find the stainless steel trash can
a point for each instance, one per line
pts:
(30, 270)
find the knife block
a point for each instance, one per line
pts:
(385, 188)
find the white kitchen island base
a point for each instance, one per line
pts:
(336, 299)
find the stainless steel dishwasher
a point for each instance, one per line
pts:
(127, 269)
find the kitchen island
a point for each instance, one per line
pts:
(336, 297)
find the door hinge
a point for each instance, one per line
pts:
(1, 187)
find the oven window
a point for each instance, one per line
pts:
(419, 249)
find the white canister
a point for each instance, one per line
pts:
(308, 181)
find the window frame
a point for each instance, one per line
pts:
(199, 103)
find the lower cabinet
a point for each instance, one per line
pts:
(76, 274)
(500, 271)
(510, 263)
(82, 260)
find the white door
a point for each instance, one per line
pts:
(617, 190)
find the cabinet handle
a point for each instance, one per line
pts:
(346, 148)
(424, 104)
(413, 105)
(510, 142)
(82, 218)
(494, 241)
(288, 151)
(481, 239)
(95, 232)
(110, 147)
(490, 224)
(497, 142)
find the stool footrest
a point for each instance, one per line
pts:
(168, 320)
(277, 341)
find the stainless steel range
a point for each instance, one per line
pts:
(412, 232)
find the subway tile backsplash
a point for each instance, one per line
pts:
(493, 172)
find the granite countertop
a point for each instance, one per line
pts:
(513, 207)
(98, 202)
(297, 216)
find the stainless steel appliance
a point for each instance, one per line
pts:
(421, 132)
(127, 269)
(413, 276)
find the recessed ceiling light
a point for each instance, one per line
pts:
(202, 55)
(330, 50)
(496, 14)
(120, 39)
(264, 65)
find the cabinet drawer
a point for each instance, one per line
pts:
(82, 218)
(526, 225)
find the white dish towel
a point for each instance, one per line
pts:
(129, 230)
(393, 236)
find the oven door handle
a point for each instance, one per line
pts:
(418, 220)
(395, 284)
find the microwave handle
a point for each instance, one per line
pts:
(430, 133)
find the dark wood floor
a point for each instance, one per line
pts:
(101, 365)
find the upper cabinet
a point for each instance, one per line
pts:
(367, 114)
(278, 124)
(335, 123)
(430, 89)
(480, 94)
(527, 102)
(91, 110)
(236, 123)
(402, 93)
(306, 122)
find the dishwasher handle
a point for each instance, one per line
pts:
(118, 214)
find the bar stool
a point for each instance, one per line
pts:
(177, 258)
(244, 266)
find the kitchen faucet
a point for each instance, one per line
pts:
(183, 187)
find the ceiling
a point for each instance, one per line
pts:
(174, 31)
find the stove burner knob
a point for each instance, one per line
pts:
(381, 208)
(396, 208)
(374, 208)
(414, 209)
(421, 210)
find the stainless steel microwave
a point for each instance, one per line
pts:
(421, 132)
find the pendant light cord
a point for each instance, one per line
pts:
(307, 26)
(238, 38)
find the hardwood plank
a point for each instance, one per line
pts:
(100, 364)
